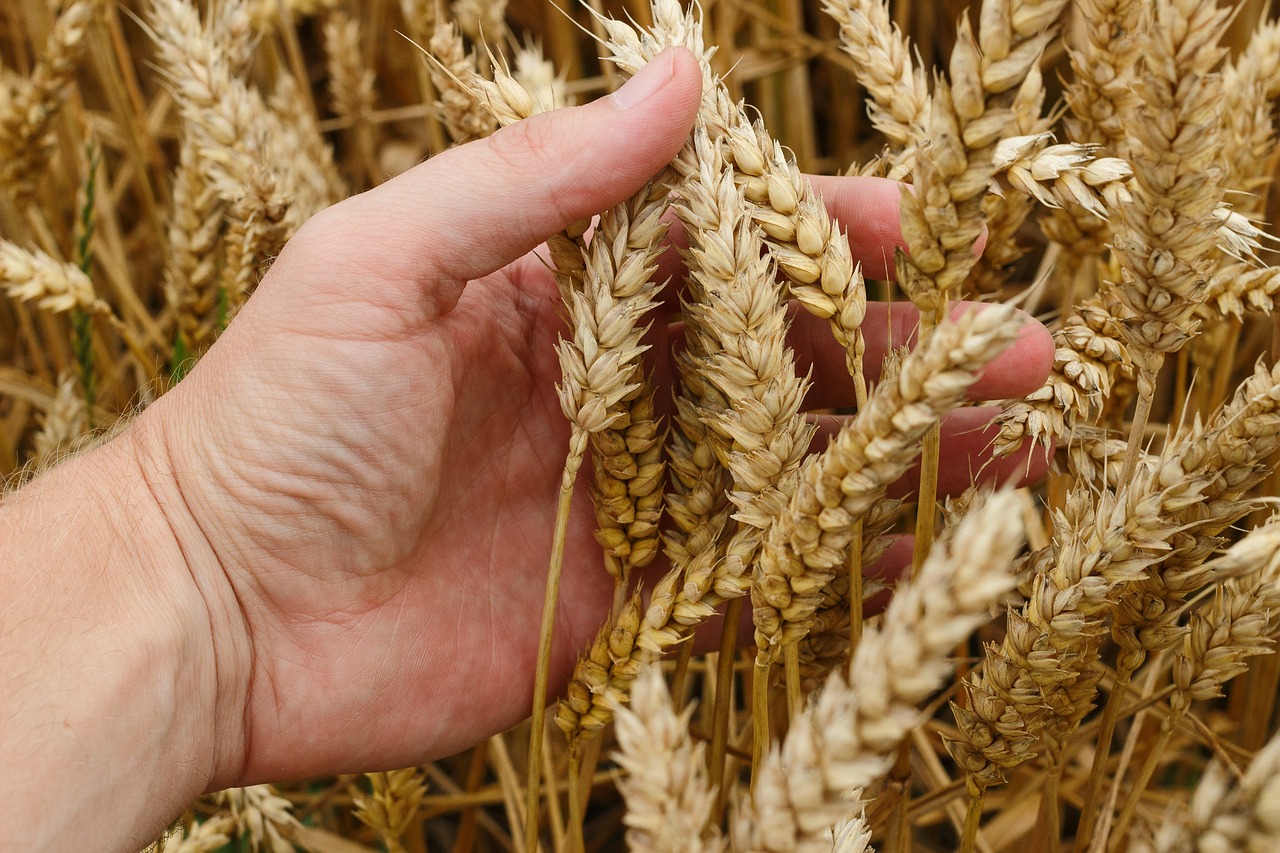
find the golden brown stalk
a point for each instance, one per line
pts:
(666, 789)
(844, 741)
(392, 805)
(809, 540)
(28, 108)
(262, 817)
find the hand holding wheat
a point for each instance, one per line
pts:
(356, 474)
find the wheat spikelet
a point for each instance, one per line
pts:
(1240, 623)
(1056, 175)
(808, 542)
(191, 266)
(991, 82)
(392, 805)
(33, 276)
(1042, 675)
(1239, 287)
(1201, 477)
(1165, 237)
(537, 75)
(737, 307)
(197, 837)
(808, 245)
(454, 67)
(1103, 63)
(844, 740)
(27, 109)
(883, 55)
(1249, 84)
(1089, 351)
(669, 798)
(63, 422)
(351, 83)
(262, 816)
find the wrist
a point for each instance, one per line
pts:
(119, 660)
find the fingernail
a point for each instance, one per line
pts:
(656, 74)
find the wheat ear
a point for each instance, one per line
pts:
(1241, 623)
(669, 798)
(392, 805)
(844, 741)
(809, 540)
(28, 109)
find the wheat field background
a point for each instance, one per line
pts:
(1096, 676)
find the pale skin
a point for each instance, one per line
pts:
(325, 550)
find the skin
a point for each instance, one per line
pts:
(325, 550)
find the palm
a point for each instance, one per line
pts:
(453, 516)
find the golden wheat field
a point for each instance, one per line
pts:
(1085, 664)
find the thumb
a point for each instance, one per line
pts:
(474, 209)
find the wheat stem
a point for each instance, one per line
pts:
(972, 816)
(573, 461)
(723, 705)
(760, 718)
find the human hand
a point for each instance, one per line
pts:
(362, 472)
